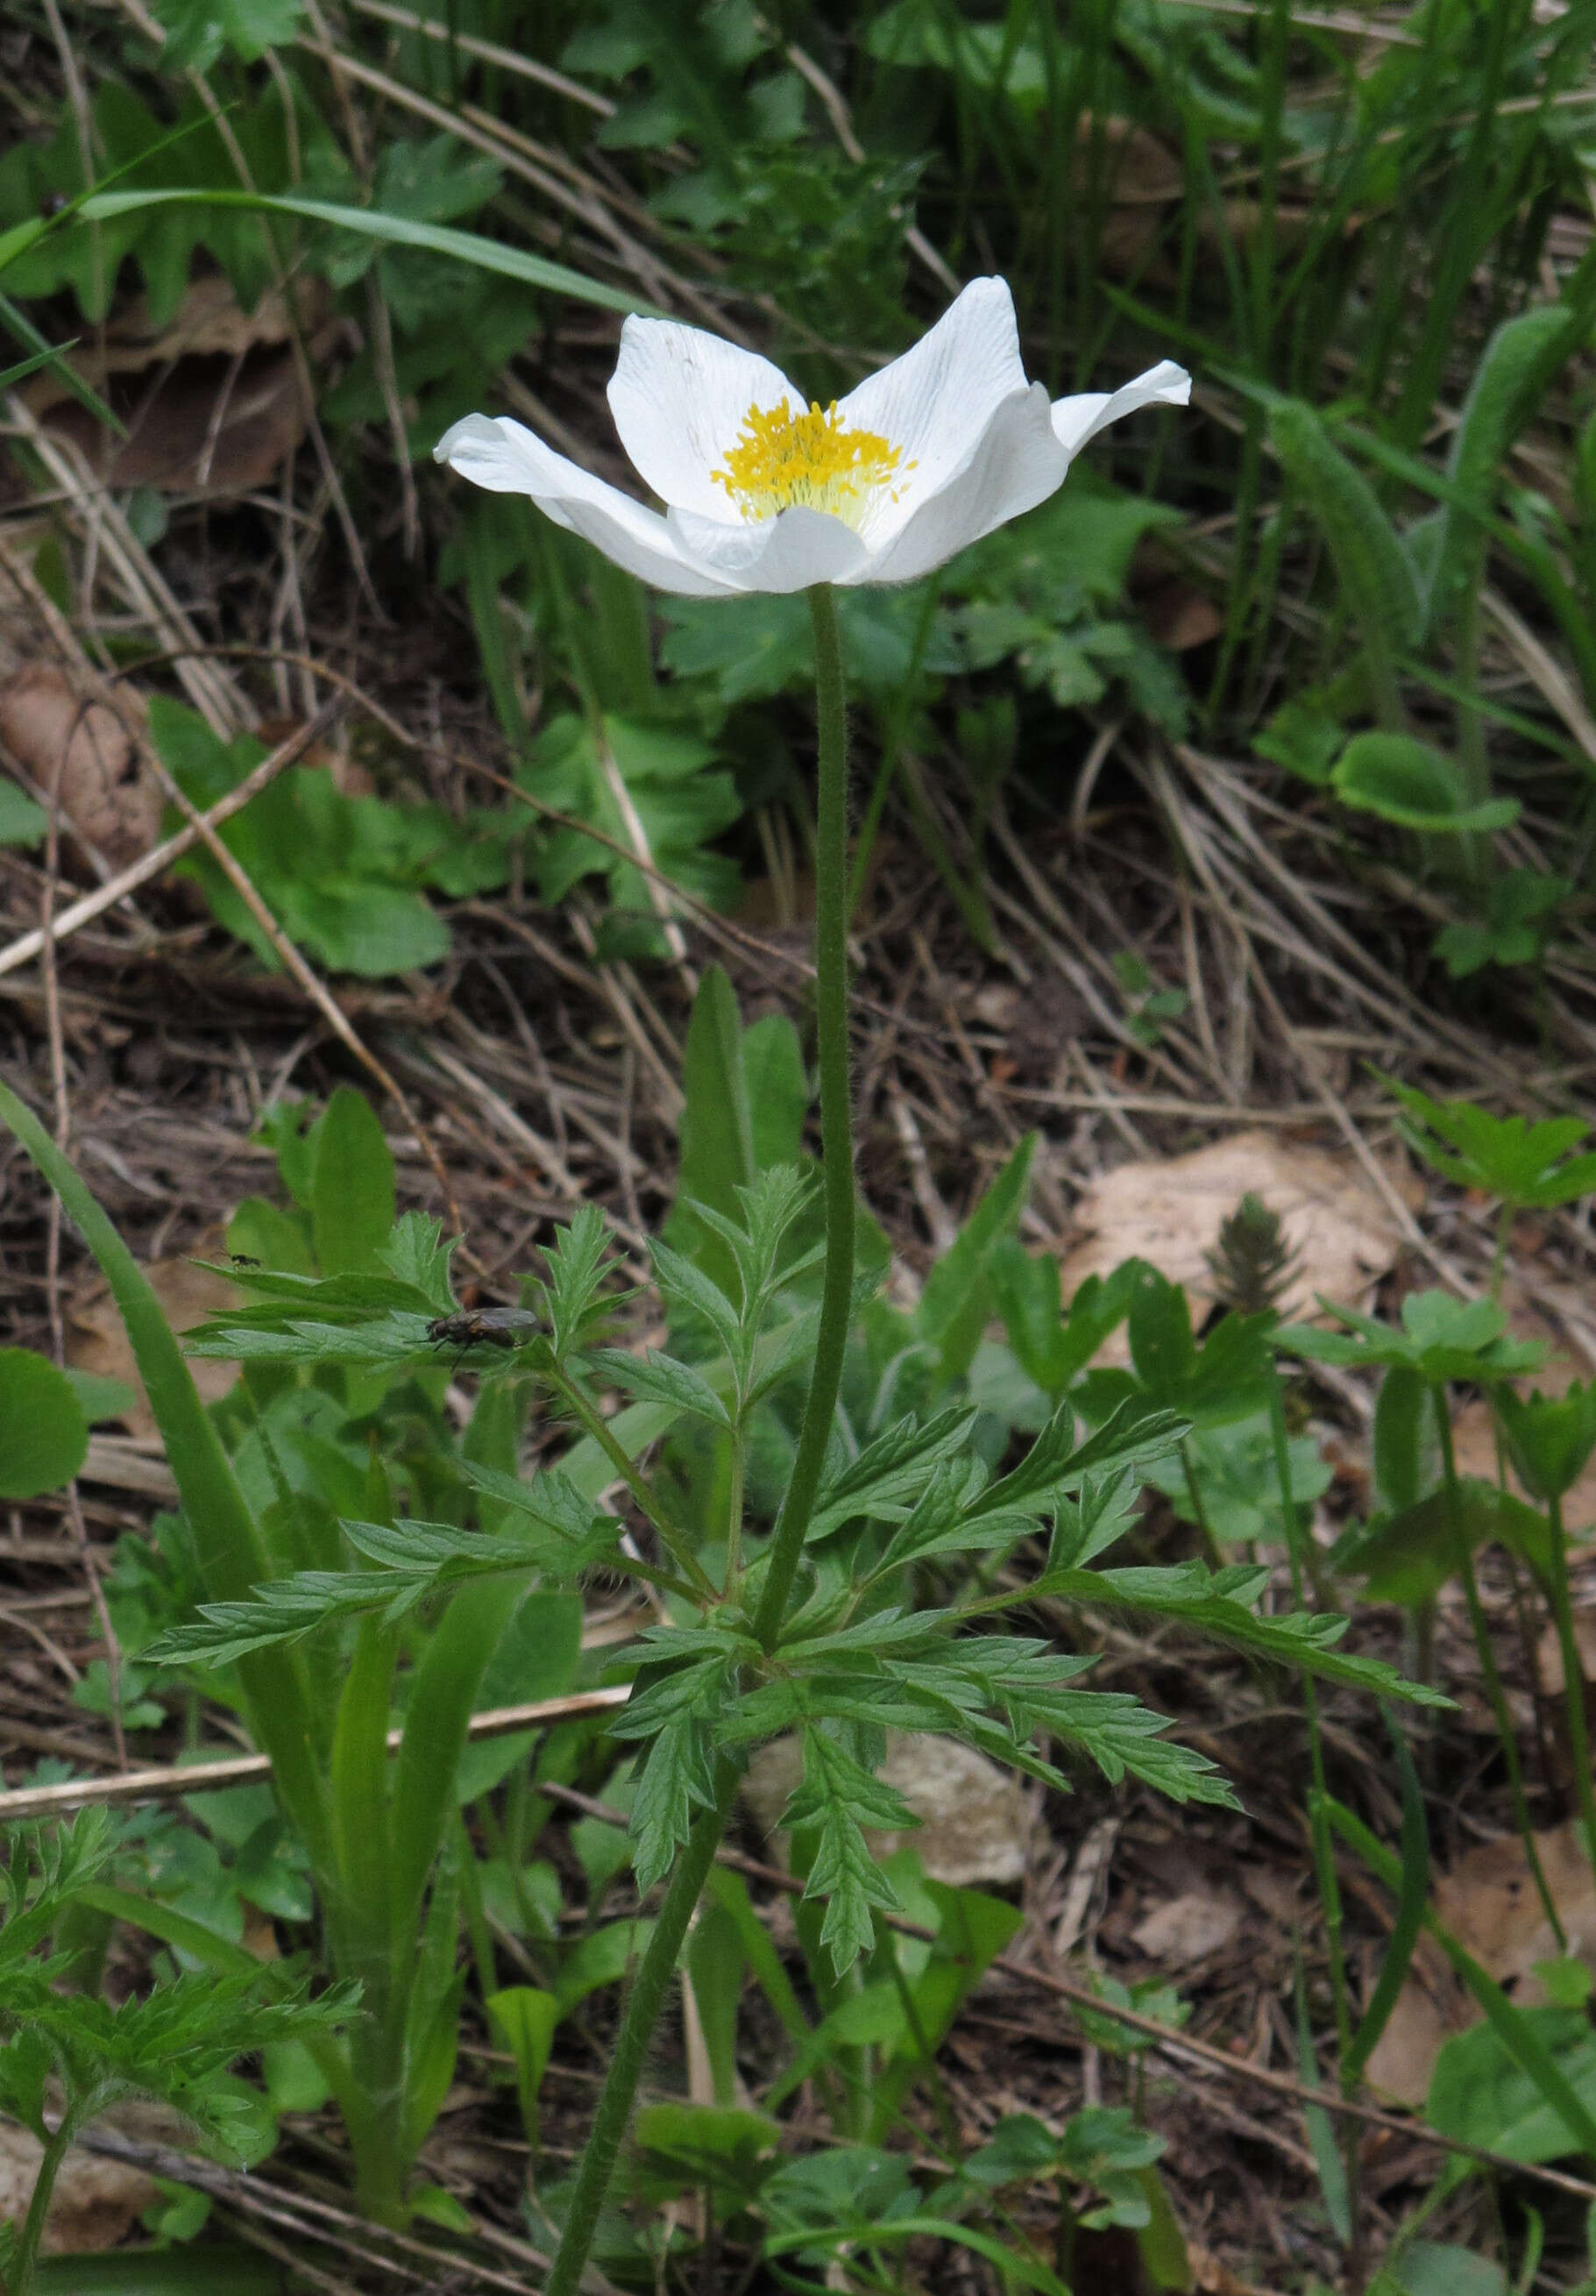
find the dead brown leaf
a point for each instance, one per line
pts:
(1189, 1928)
(1211, 2277)
(97, 1339)
(1180, 616)
(96, 2202)
(1490, 1903)
(1168, 1211)
(210, 402)
(52, 722)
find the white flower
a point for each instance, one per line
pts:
(766, 493)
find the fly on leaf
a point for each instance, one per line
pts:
(481, 1327)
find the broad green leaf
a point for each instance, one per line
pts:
(956, 1303)
(1434, 2267)
(352, 1185)
(23, 822)
(1409, 1557)
(681, 1278)
(1509, 1156)
(724, 2150)
(1162, 2243)
(213, 2268)
(44, 1435)
(604, 1957)
(1478, 2093)
(1407, 782)
(778, 1090)
(199, 30)
(523, 2018)
(99, 1398)
(1305, 738)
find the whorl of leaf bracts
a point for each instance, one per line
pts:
(1252, 1265)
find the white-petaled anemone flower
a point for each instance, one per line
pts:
(766, 492)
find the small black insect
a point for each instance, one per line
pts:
(242, 1259)
(481, 1327)
(52, 204)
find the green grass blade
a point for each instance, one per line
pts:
(1010, 2265)
(231, 1553)
(1321, 2133)
(203, 1944)
(18, 324)
(371, 223)
(1411, 1896)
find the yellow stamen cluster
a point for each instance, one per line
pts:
(782, 460)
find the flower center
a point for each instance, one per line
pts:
(782, 460)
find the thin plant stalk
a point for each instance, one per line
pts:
(1210, 1545)
(1464, 1563)
(1324, 1856)
(1574, 1675)
(836, 1123)
(702, 1587)
(19, 2278)
(658, 1968)
(638, 2020)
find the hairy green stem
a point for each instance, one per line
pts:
(648, 1993)
(1487, 1660)
(20, 2277)
(1574, 1675)
(733, 1571)
(638, 2021)
(836, 1128)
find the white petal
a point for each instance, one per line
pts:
(936, 402)
(679, 398)
(508, 459)
(792, 550)
(1077, 420)
(1016, 463)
